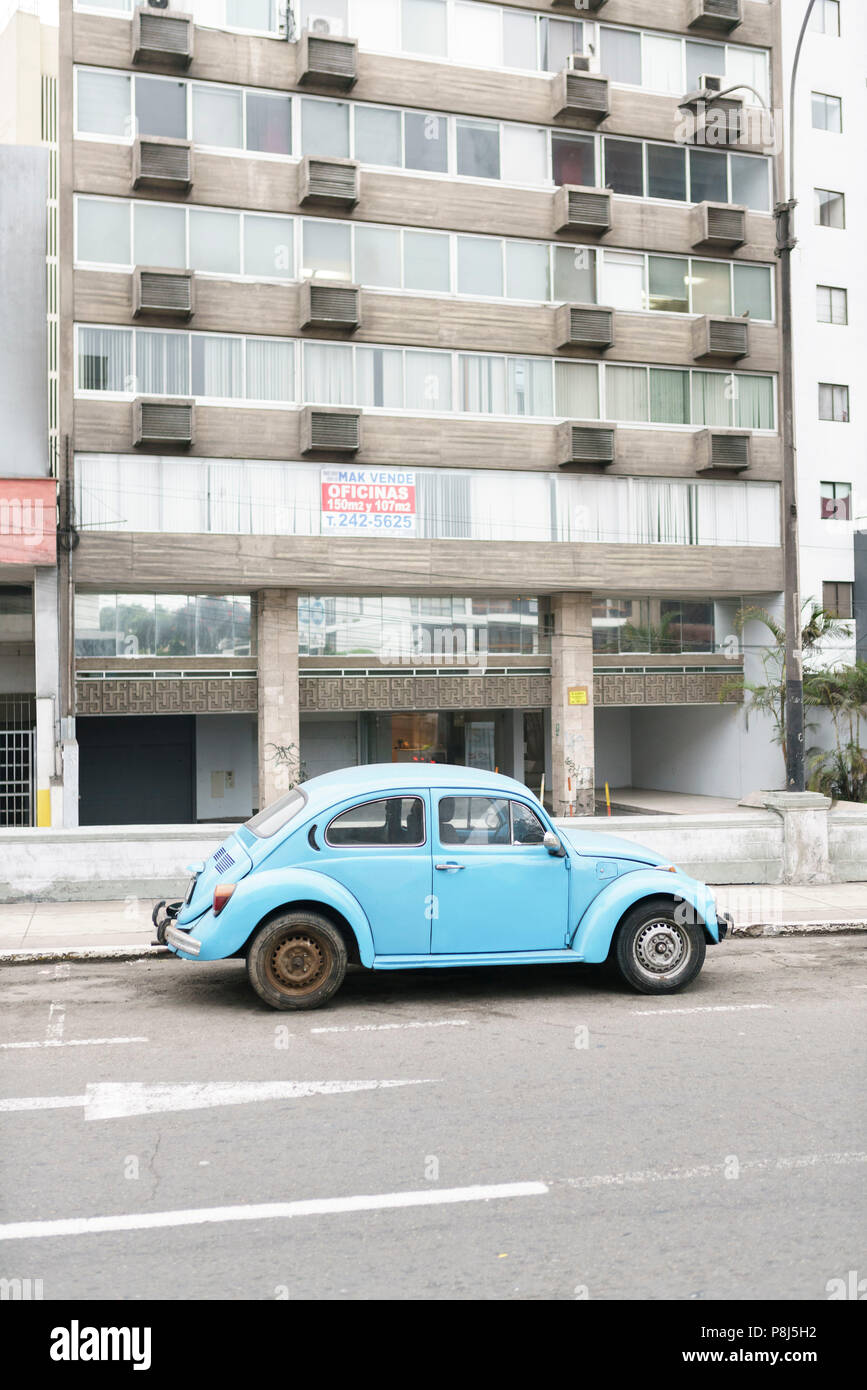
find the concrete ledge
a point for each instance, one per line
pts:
(728, 847)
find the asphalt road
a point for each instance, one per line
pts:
(559, 1138)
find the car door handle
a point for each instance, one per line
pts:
(451, 868)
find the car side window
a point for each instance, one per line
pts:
(392, 820)
(527, 829)
(474, 820)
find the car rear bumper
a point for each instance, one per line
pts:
(725, 924)
(178, 940)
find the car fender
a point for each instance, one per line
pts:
(593, 935)
(265, 891)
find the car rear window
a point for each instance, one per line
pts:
(273, 818)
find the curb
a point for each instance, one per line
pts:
(48, 954)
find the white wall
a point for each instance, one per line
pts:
(613, 734)
(705, 750)
(225, 743)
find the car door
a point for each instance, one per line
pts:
(380, 849)
(496, 887)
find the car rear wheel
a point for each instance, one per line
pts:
(297, 961)
(656, 952)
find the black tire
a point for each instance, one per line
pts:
(296, 961)
(655, 951)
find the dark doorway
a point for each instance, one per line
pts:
(138, 770)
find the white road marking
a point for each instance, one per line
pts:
(715, 1170)
(72, 1042)
(56, 1021)
(386, 1027)
(703, 1009)
(116, 1100)
(268, 1211)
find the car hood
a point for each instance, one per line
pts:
(598, 845)
(229, 863)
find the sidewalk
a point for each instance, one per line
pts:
(57, 931)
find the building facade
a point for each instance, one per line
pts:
(419, 393)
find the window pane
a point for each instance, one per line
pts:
(663, 64)
(104, 359)
(269, 123)
(527, 271)
(328, 373)
(623, 273)
(701, 58)
(104, 101)
(830, 208)
(708, 177)
(576, 386)
(573, 159)
(626, 393)
(426, 261)
(162, 363)
(750, 66)
(623, 167)
(217, 367)
(326, 250)
(711, 404)
(136, 624)
(269, 370)
(269, 247)
(752, 291)
(251, 14)
(426, 142)
(217, 117)
(750, 182)
(103, 232)
(474, 820)
(666, 172)
(711, 288)
(525, 154)
(668, 290)
(669, 397)
(376, 26)
(621, 55)
(161, 107)
(176, 625)
(325, 128)
(483, 384)
(575, 274)
(754, 406)
(558, 39)
(423, 27)
(527, 829)
(159, 235)
(476, 35)
(377, 136)
(377, 256)
(379, 377)
(399, 820)
(215, 241)
(478, 147)
(529, 387)
(428, 380)
(480, 265)
(519, 40)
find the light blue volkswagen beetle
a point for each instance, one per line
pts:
(402, 866)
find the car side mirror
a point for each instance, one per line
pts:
(553, 844)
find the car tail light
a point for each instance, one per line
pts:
(222, 894)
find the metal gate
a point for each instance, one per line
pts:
(16, 776)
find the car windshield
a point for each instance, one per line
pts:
(273, 818)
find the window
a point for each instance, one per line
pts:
(558, 38)
(160, 107)
(666, 172)
(836, 501)
(103, 232)
(669, 396)
(707, 177)
(377, 256)
(377, 136)
(825, 18)
(837, 599)
(752, 291)
(711, 287)
(269, 123)
(527, 829)
(621, 55)
(626, 393)
(423, 26)
(159, 235)
(215, 241)
(425, 142)
(269, 247)
(217, 116)
(573, 159)
(104, 359)
(575, 274)
(275, 817)
(827, 113)
(832, 305)
(480, 266)
(623, 279)
(474, 820)
(327, 250)
(524, 154)
(833, 402)
(325, 128)
(478, 149)
(749, 182)
(624, 167)
(668, 290)
(527, 271)
(104, 103)
(830, 208)
(394, 820)
(426, 261)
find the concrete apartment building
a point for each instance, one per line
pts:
(418, 394)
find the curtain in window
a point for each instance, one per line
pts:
(103, 231)
(444, 505)
(269, 247)
(162, 364)
(711, 287)
(626, 393)
(159, 235)
(476, 36)
(428, 380)
(577, 390)
(480, 265)
(748, 65)
(215, 241)
(269, 370)
(524, 154)
(217, 367)
(530, 390)
(591, 509)
(379, 377)
(721, 510)
(284, 499)
(623, 280)
(711, 399)
(621, 55)
(527, 271)
(98, 503)
(510, 507)
(754, 405)
(669, 397)
(483, 384)
(663, 64)
(182, 497)
(104, 103)
(661, 512)
(328, 374)
(104, 359)
(763, 513)
(217, 117)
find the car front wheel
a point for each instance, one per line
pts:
(656, 952)
(297, 961)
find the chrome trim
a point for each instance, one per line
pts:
(182, 941)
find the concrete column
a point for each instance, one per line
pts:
(572, 758)
(278, 693)
(806, 853)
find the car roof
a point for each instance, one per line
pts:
(382, 777)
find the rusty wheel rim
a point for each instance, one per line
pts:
(298, 963)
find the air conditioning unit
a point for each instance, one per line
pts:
(330, 182)
(578, 7)
(723, 15)
(583, 326)
(323, 25)
(330, 429)
(719, 226)
(160, 39)
(169, 293)
(330, 304)
(325, 60)
(711, 82)
(161, 162)
(163, 422)
(727, 451)
(721, 337)
(582, 62)
(585, 442)
(158, 4)
(716, 121)
(579, 99)
(584, 210)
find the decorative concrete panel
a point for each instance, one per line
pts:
(185, 696)
(324, 693)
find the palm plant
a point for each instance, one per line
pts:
(842, 772)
